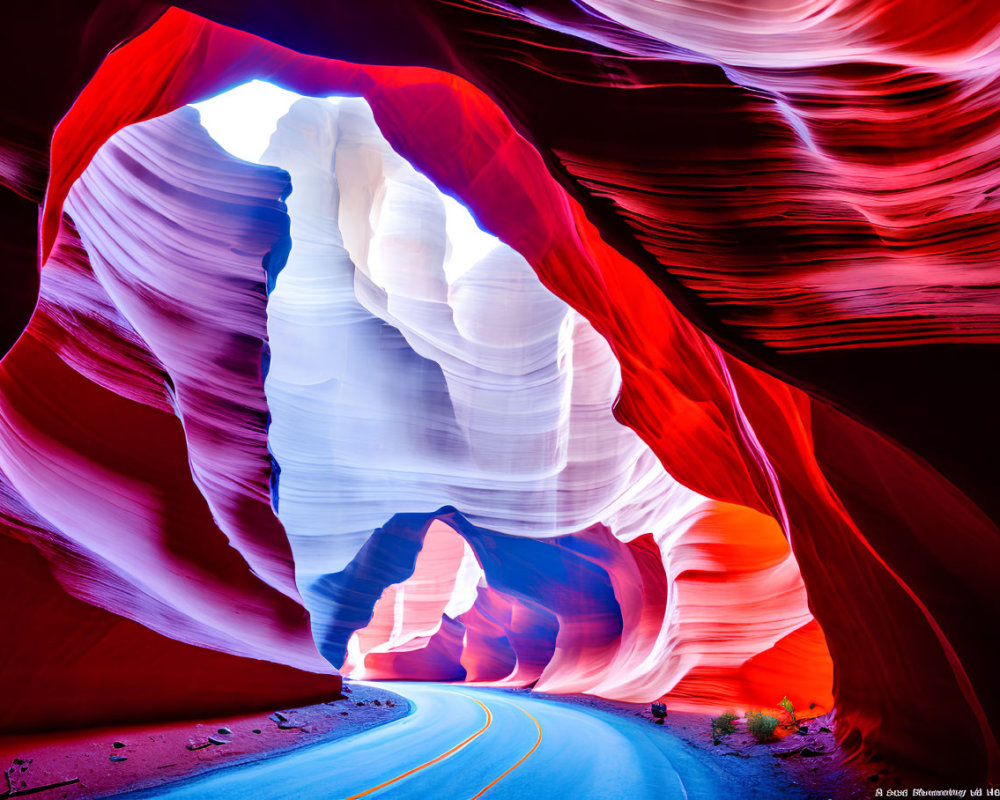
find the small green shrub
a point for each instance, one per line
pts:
(787, 705)
(761, 725)
(723, 724)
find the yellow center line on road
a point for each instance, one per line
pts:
(455, 749)
(523, 758)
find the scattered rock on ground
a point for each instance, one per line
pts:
(193, 745)
(157, 758)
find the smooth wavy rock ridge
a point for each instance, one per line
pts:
(413, 369)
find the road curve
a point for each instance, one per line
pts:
(462, 743)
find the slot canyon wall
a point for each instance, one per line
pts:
(769, 242)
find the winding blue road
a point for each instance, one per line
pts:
(462, 743)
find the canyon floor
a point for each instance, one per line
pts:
(87, 763)
(813, 763)
(194, 758)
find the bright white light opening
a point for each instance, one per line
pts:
(469, 243)
(243, 119)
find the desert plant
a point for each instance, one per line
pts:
(787, 705)
(761, 725)
(722, 724)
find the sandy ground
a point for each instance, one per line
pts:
(813, 761)
(151, 755)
